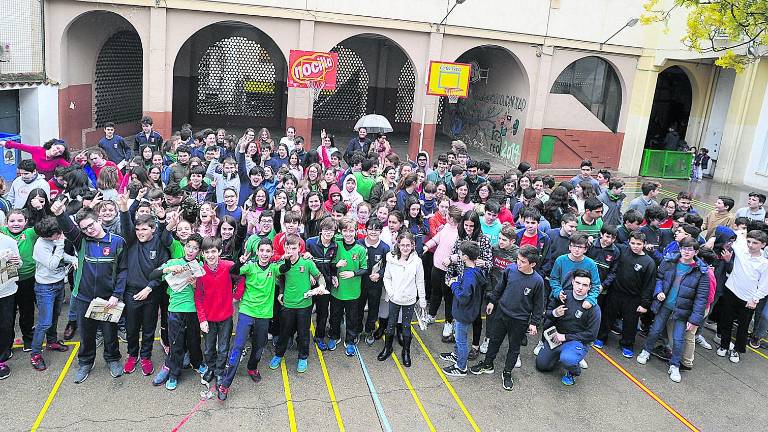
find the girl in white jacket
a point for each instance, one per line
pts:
(403, 281)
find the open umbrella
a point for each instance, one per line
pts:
(374, 123)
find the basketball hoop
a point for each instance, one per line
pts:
(315, 86)
(453, 94)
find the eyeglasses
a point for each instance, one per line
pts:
(88, 227)
(687, 249)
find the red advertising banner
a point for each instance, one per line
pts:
(312, 66)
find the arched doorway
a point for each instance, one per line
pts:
(229, 74)
(375, 75)
(671, 110)
(102, 77)
(492, 117)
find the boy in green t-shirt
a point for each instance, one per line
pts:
(351, 263)
(255, 312)
(25, 296)
(296, 313)
(266, 230)
(183, 324)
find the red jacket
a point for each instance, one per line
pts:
(214, 293)
(278, 245)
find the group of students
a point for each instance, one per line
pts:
(203, 226)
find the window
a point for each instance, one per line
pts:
(594, 83)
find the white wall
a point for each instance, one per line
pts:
(39, 114)
(757, 170)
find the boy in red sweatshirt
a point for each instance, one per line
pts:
(214, 295)
(291, 223)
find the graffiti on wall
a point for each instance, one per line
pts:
(490, 122)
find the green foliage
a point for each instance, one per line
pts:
(721, 26)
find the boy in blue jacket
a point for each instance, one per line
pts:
(519, 296)
(467, 295)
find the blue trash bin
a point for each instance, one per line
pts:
(10, 159)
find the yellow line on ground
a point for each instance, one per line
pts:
(288, 398)
(757, 352)
(56, 386)
(445, 380)
(413, 393)
(328, 384)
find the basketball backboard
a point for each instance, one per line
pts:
(446, 76)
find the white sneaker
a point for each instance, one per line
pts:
(429, 319)
(701, 340)
(518, 363)
(447, 329)
(674, 374)
(484, 347)
(583, 364)
(734, 356)
(643, 357)
(722, 352)
(538, 348)
(716, 338)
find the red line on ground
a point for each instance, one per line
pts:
(189, 416)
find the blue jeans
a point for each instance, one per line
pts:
(247, 327)
(568, 355)
(217, 344)
(462, 343)
(761, 318)
(49, 298)
(678, 334)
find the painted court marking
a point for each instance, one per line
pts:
(288, 398)
(189, 416)
(328, 384)
(413, 393)
(41, 415)
(385, 425)
(648, 391)
(445, 381)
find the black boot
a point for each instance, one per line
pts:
(387, 351)
(380, 331)
(399, 331)
(407, 351)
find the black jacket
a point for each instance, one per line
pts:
(578, 324)
(140, 259)
(635, 276)
(519, 296)
(606, 260)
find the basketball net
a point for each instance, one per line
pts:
(315, 87)
(453, 94)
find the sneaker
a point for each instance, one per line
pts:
(350, 351)
(583, 364)
(202, 369)
(710, 325)
(321, 345)
(454, 371)
(702, 341)
(223, 391)
(275, 362)
(538, 348)
(115, 369)
(643, 357)
(674, 374)
(474, 353)
(147, 367)
(568, 379)
(130, 365)
(481, 368)
(207, 377)
(370, 340)
(161, 376)
(447, 329)
(57, 346)
(429, 319)
(518, 363)
(449, 357)
(716, 338)
(26, 347)
(82, 373)
(506, 380)
(301, 366)
(255, 375)
(627, 353)
(171, 383)
(448, 339)
(5, 371)
(122, 335)
(663, 353)
(99, 339)
(332, 344)
(754, 342)
(598, 344)
(721, 352)
(484, 346)
(70, 330)
(38, 363)
(733, 356)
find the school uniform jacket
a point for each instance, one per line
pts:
(141, 258)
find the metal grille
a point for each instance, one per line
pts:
(406, 87)
(236, 77)
(21, 41)
(119, 79)
(441, 110)
(350, 99)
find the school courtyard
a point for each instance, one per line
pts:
(362, 394)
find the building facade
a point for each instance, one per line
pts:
(546, 86)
